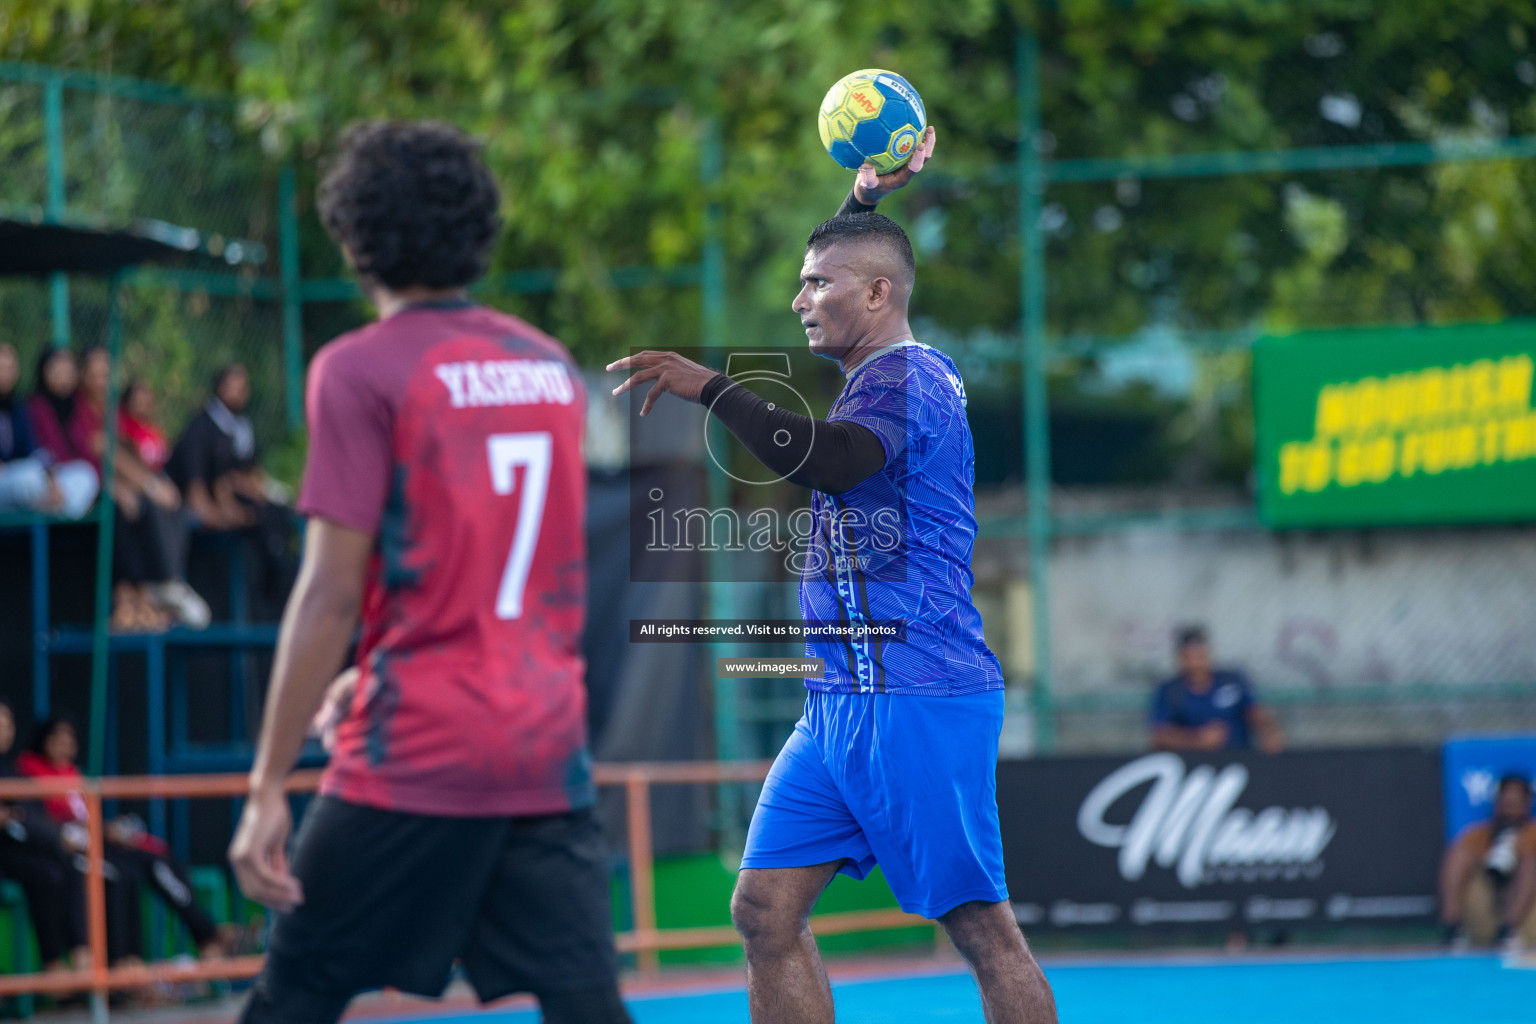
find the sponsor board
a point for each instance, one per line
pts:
(1396, 426)
(1194, 840)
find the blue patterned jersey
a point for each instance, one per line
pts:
(898, 546)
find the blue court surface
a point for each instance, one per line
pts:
(1399, 990)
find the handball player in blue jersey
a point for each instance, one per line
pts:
(894, 760)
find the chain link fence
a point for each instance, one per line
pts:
(23, 139)
(185, 163)
(1233, 172)
(1204, 195)
(1334, 176)
(110, 153)
(1367, 636)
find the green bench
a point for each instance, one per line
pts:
(18, 946)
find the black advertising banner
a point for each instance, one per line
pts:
(1308, 837)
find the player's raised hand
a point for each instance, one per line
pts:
(668, 371)
(259, 853)
(870, 187)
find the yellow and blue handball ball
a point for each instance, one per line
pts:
(872, 116)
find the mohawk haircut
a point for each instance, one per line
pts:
(865, 229)
(413, 202)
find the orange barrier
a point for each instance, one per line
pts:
(646, 941)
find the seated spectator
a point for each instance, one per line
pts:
(215, 463)
(1204, 708)
(27, 478)
(138, 427)
(32, 853)
(1488, 876)
(51, 409)
(150, 543)
(39, 468)
(134, 856)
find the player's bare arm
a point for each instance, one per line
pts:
(830, 457)
(678, 375)
(1210, 736)
(1457, 865)
(1522, 897)
(1266, 728)
(316, 633)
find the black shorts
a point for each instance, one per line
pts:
(392, 899)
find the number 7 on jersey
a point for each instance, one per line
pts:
(532, 452)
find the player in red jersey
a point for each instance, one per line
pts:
(446, 497)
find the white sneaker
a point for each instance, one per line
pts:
(189, 608)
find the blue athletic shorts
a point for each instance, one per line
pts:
(908, 782)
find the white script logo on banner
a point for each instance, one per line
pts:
(1190, 822)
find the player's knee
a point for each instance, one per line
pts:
(763, 922)
(981, 931)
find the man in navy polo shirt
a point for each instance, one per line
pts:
(1205, 708)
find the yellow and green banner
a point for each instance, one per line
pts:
(1396, 426)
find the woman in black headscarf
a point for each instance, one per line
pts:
(52, 405)
(50, 414)
(32, 854)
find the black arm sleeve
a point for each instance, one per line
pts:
(852, 205)
(827, 456)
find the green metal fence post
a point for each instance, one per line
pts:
(100, 640)
(1037, 451)
(293, 300)
(718, 595)
(53, 134)
(711, 164)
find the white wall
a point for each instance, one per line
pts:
(1400, 607)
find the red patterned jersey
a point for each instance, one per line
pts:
(453, 434)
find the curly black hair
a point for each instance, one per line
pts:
(864, 228)
(413, 203)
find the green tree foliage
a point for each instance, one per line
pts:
(594, 114)
(1410, 244)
